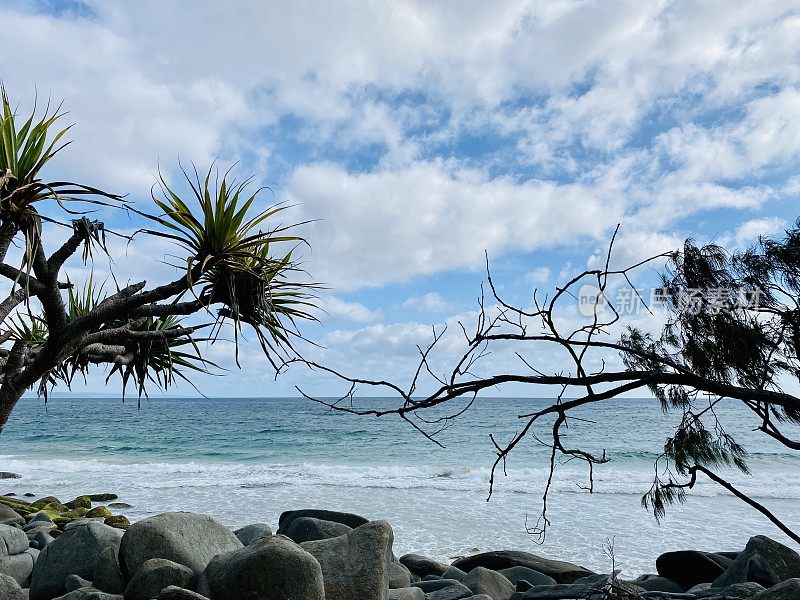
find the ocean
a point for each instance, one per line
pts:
(248, 460)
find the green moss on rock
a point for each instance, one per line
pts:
(102, 497)
(118, 521)
(100, 511)
(80, 502)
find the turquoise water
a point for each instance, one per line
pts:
(246, 460)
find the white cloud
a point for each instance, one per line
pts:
(348, 311)
(748, 232)
(432, 302)
(538, 276)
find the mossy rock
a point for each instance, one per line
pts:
(102, 497)
(100, 511)
(42, 502)
(118, 521)
(54, 507)
(80, 502)
(20, 506)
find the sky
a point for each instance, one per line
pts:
(418, 136)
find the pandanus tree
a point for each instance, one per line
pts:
(235, 270)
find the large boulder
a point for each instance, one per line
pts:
(107, 575)
(763, 561)
(411, 593)
(155, 575)
(348, 519)
(12, 540)
(737, 590)
(309, 529)
(189, 539)
(175, 593)
(562, 572)
(250, 533)
(73, 552)
(355, 566)
(456, 591)
(786, 590)
(688, 568)
(10, 589)
(271, 568)
(516, 574)
(423, 566)
(485, 581)
(399, 575)
(657, 583)
(89, 593)
(8, 516)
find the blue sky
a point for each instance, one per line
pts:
(420, 135)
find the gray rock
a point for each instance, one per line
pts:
(89, 594)
(737, 590)
(431, 585)
(271, 568)
(516, 574)
(309, 529)
(189, 539)
(73, 552)
(10, 590)
(485, 581)
(687, 568)
(8, 516)
(7, 475)
(451, 592)
(399, 575)
(454, 573)
(764, 561)
(573, 590)
(657, 583)
(155, 575)
(119, 505)
(480, 597)
(18, 566)
(12, 541)
(175, 593)
(249, 533)
(422, 566)
(74, 582)
(40, 518)
(410, 593)
(42, 540)
(355, 565)
(348, 519)
(562, 572)
(82, 522)
(786, 590)
(107, 575)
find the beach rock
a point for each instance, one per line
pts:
(355, 565)
(763, 561)
(80, 502)
(737, 590)
(485, 581)
(309, 529)
(480, 597)
(18, 566)
(431, 585)
(118, 521)
(687, 568)
(175, 593)
(410, 593)
(250, 533)
(657, 583)
(188, 539)
(102, 497)
(100, 511)
(422, 566)
(73, 552)
(75, 582)
(786, 590)
(89, 593)
(7, 475)
(41, 540)
(271, 568)
(10, 589)
(12, 541)
(8, 516)
(454, 573)
(348, 519)
(107, 575)
(116, 505)
(456, 591)
(562, 572)
(155, 575)
(516, 574)
(399, 575)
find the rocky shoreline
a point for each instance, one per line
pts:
(78, 551)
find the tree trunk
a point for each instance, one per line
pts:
(8, 400)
